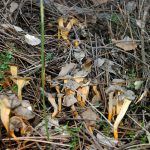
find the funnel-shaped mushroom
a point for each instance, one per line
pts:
(90, 118)
(21, 82)
(16, 124)
(69, 101)
(97, 97)
(7, 103)
(111, 91)
(24, 110)
(13, 70)
(127, 97)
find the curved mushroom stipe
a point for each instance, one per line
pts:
(74, 111)
(120, 116)
(110, 106)
(53, 103)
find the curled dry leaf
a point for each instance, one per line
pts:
(67, 69)
(105, 64)
(106, 140)
(24, 110)
(126, 44)
(32, 40)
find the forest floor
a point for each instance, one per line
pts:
(89, 90)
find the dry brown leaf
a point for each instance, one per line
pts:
(66, 69)
(126, 44)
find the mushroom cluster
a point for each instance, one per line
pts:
(72, 87)
(18, 80)
(14, 113)
(119, 101)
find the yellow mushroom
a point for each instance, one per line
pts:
(13, 70)
(69, 101)
(111, 91)
(127, 98)
(60, 96)
(90, 118)
(64, 31)
(21, 82)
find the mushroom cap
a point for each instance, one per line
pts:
(15, 123)
(72, 85)
(127, 95)
(69, 100)
(24, 110)
(10, 101)
(114, 88)
(118, 81)
(66, 77)
(90, 116)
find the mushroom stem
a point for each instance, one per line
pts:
(57, 89)
(120, 116)
(12, 134)
(110, 106)
(74, 111)
(90, 129)
(59, 103)
(53, 103)
(19, 93)
(96, 91)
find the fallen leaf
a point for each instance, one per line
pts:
(67, 69)
(13, 6)
(102, 139)
(32, 40)
(126, 44)
(105, 64)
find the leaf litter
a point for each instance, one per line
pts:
(87, 76)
